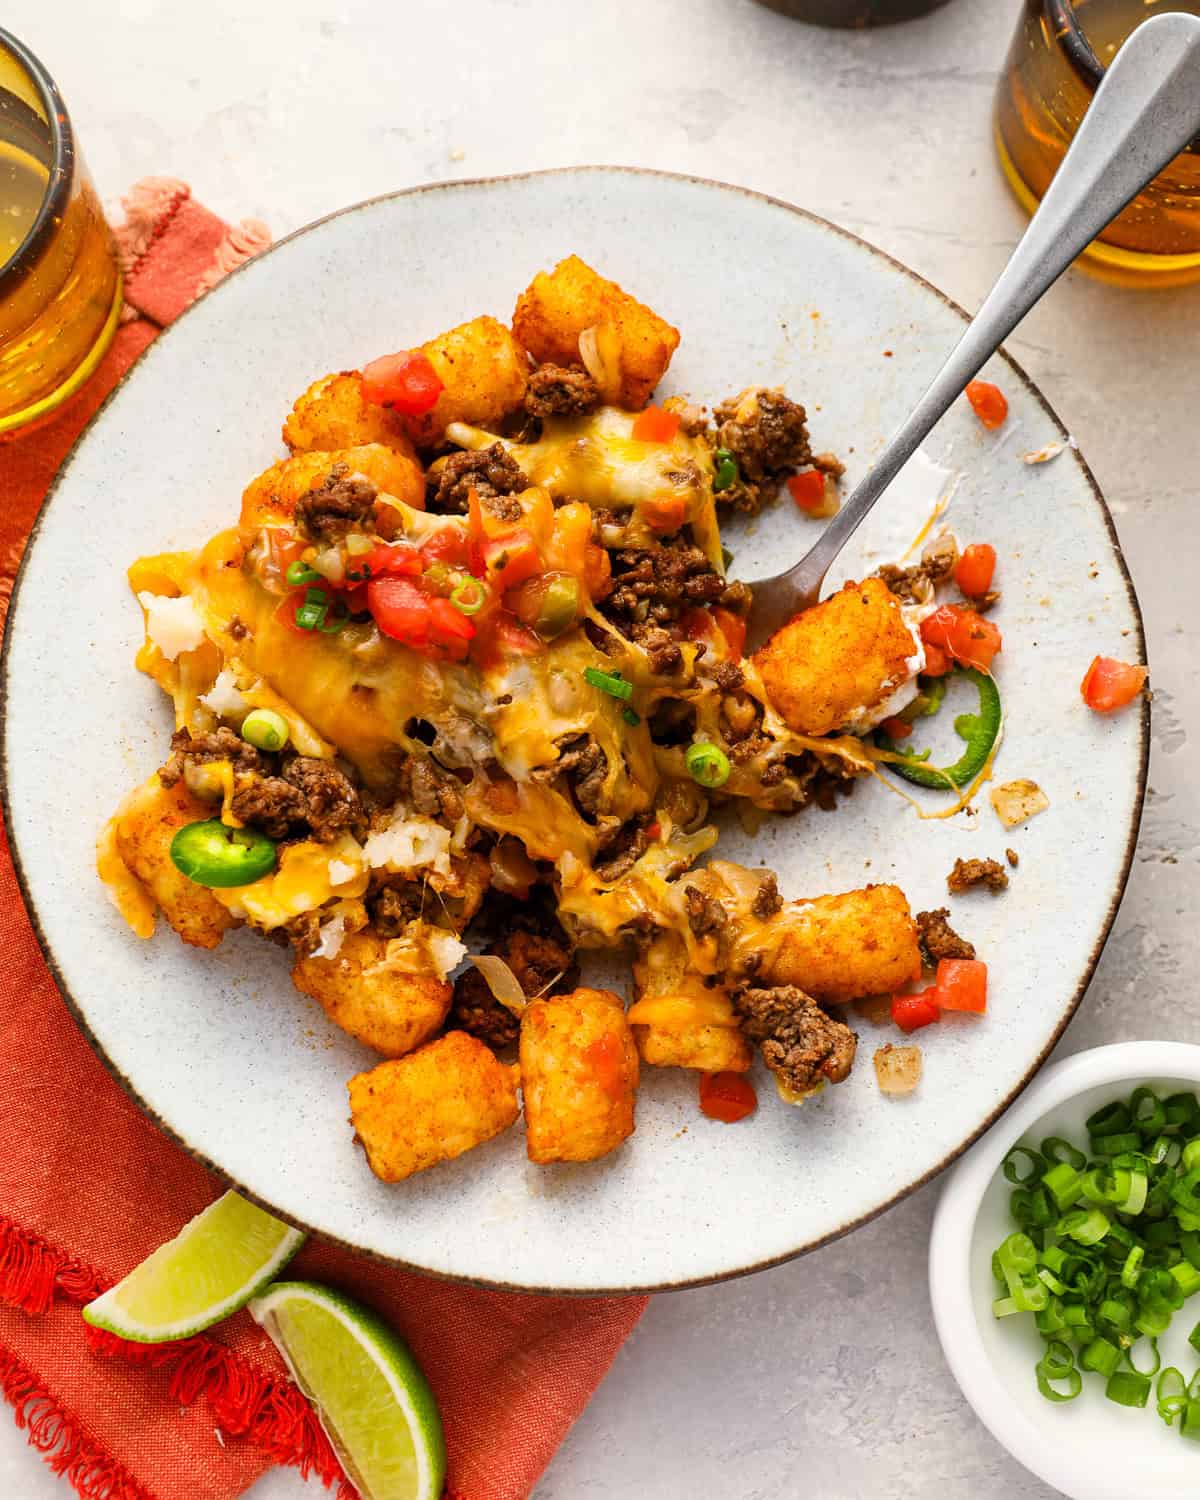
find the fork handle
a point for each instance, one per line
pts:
(1145, 112)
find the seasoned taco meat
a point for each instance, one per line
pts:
(492, 473)
(343, 503)
(968, 873)
(800, 1044)
(938, 939)
(558, 391)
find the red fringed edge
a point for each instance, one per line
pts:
(271, 1413)
(94, 1473)
(33, 1272)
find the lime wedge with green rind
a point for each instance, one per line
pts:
(371, 1397)
(213, 1266)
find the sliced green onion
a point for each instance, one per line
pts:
(1190, 1154)
(726, 472)
(1127, 1388)
(1049, 1319)
(1118, 1311)
(299, 573)
(1148, 1121)
(1182, 1111)
(309, 616)
(1133, 1264)
(1004, 1307)
(707, 764)
(611, 683)
(1058, 1364)
(265, 729)
(336, 617)
(1157, 1357)
(1111, 1145)
(1187, 1276)
(1112, 1118)
(1087, 1226)
(631, 717)
(469, 596)
(1100, 1356)
(1063, 1183)
(1171, 1394)
(1190, 1426)
(1056, 1150)
(1012, 1164)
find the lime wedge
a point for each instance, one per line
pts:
(213, 1266)
(369, 1393)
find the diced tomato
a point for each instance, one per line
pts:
(450, 629)
(664, 513)
(962, 985)
(400, 609)
(963, 635)
(503, 637)
(697, 624)
(727, 1096)
(733, 628)
(510, 559)
(937, 663)
(808, 490)
(654, 830)
(406, 382)
(976, 568)
(284, 547)
(1108, 684)
(394, 560)
(603, 1058)
(989, 403)
(449, 545)
(896, 729)
(568, 537)
(911, 1012)
(655, 425)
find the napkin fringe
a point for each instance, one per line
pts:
(33, 1272)
(94, 1473)
(271, 1413)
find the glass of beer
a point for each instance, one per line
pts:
(60, 287)
(1057, 60)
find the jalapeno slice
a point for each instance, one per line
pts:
(213, 854)
(979, 730)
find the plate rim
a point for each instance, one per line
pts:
(77, 1012)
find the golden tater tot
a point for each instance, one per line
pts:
(579, 1076)
(332, 414)
(484, 371)
(388, 1010)
(839, 659)
(835, 947)
(559, 305)
(146, 822)
(677, 1020)
(270, 500)
(412, 1112)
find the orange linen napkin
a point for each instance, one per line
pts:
(88, 1187)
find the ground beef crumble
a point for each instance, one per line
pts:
(343, 503)
(1013, 857)
(915, 584)
(706, 916)
(331, 802)
(560, 391)
(543, 964)
(767, 900)
(393, 901)
(583, 766)
(271, 805)
(968, 873)
(800, 1044)
(201, 749)
(767, 434)
(652, 586)
(938, 939)
(492, 473)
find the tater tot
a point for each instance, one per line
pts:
(677, 1020)
(270, 500)
(835, 662)
(412, 1112)
(332, 414)
(145, 824)
(484, 371)
(835, 947)
(579, 1076)
(559, 305)
(388, 1010)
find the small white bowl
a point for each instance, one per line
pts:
(1089, 1448)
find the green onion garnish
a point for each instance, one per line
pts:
(299, 573)
(265, 729)
(631, 717)
(611, 683)
(707, 764)
(1106, 1251)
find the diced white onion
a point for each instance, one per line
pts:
(502, 982)
(174, 625)
(410, 843)
(332, 935)
(224, 698)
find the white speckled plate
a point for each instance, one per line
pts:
(247, 1074)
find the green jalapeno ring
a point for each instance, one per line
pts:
(211, 853)
(979, 730)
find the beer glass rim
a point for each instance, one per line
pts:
(62, 165)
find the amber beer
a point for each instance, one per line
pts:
(856, 13)
(1054, 67)
(60, 289)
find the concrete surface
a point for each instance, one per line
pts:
(823, 1377)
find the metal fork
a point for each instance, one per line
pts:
(1145, 112)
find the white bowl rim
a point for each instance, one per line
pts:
(953, 1230)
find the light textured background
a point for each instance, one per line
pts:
(823, 1377)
